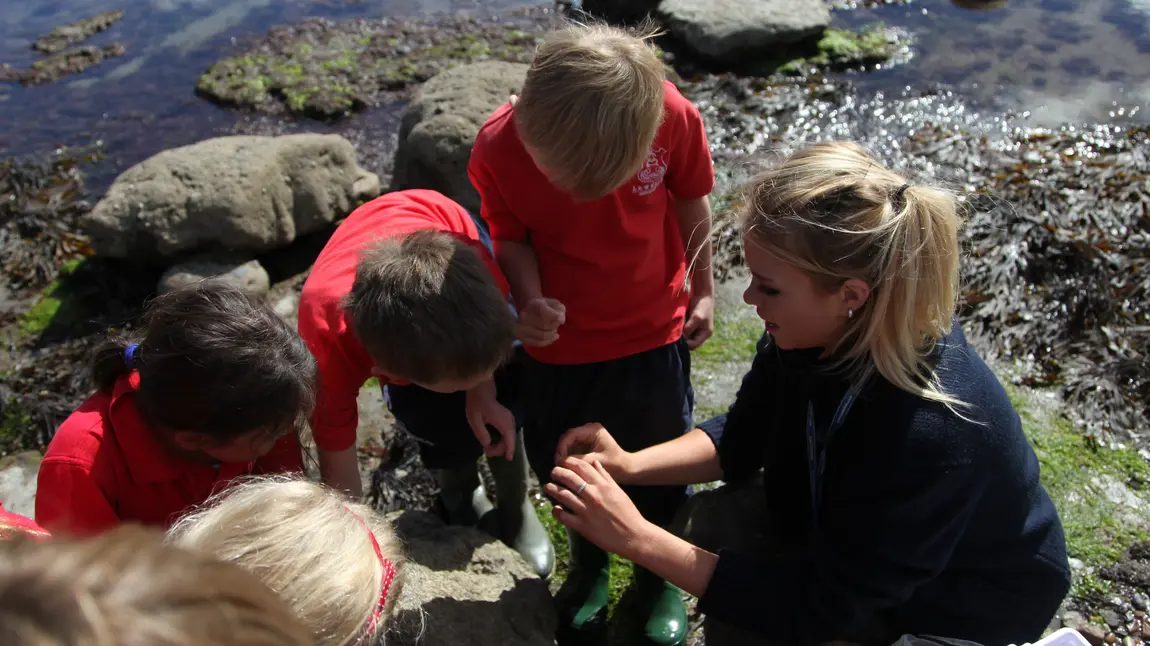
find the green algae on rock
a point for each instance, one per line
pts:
(842, 49)
(60, 65)
(325, 70)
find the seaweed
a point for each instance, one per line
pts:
(41, 201)
(1057, 277)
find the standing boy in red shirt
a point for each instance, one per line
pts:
(595, 183)
(407, 291)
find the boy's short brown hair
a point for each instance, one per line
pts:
(126, 588)
(427, 309)
(591, 105)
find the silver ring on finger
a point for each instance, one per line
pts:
(581, 488)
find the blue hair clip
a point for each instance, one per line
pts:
(130, 355)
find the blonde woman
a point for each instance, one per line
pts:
(127, 588)
(901, 494)
(337, 563)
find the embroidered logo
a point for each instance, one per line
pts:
(651, 174)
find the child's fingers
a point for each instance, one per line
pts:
(479, 429)
(583, 435)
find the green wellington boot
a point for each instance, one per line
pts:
(583, 598)
(662, 603)
(519, 527)
(462, 495)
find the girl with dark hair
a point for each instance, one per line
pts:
(215, 389)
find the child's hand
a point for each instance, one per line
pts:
(700, 323)
(483, 409)
(592, 443)
(539, 322)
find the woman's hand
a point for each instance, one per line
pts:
(592, 443)
(599, 511)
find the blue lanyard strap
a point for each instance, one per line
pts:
(816, 464)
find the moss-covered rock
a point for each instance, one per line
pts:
(58, 66)
(54, 308)
(840, 49)
(324, 70)
(65, 36)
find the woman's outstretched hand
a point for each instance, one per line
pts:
(599, 511)
(592, 443)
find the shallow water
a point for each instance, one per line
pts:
(1062, 60)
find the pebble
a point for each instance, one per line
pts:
(1073, 619)
(1141, 601)
(1076, 564)
(1094, 634)
(1111, 617)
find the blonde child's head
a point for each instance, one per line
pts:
(127, 588)
(337, 563)
(869, 262)
(590, 107)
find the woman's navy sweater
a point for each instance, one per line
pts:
(928, 524)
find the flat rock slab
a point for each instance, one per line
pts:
(728, 29)
(465, 588)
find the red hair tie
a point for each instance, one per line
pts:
(388, 573)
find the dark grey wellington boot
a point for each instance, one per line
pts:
(462, 495)
(518, 525)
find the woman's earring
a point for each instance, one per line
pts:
(850, 314)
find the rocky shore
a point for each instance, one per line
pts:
(1055, 282)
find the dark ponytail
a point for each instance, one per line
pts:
(215, 360)
(110, 362)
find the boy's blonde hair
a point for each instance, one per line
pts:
(126, 588)
(311, 545)
(427, 309)
(591, 105)
(837, 213)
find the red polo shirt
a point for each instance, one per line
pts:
(616, 263)
(12, 524)
(104, 466)
(344, 365)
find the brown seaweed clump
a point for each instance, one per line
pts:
(1058, 278)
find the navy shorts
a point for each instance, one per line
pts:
(642, 399)
(439, 420)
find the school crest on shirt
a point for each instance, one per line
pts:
(651, 174)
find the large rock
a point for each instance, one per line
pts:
(249, 276)
(440, 124)
(464, 587)
(18, 482)
(241, 193)
(620, 11)
(729, 29)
